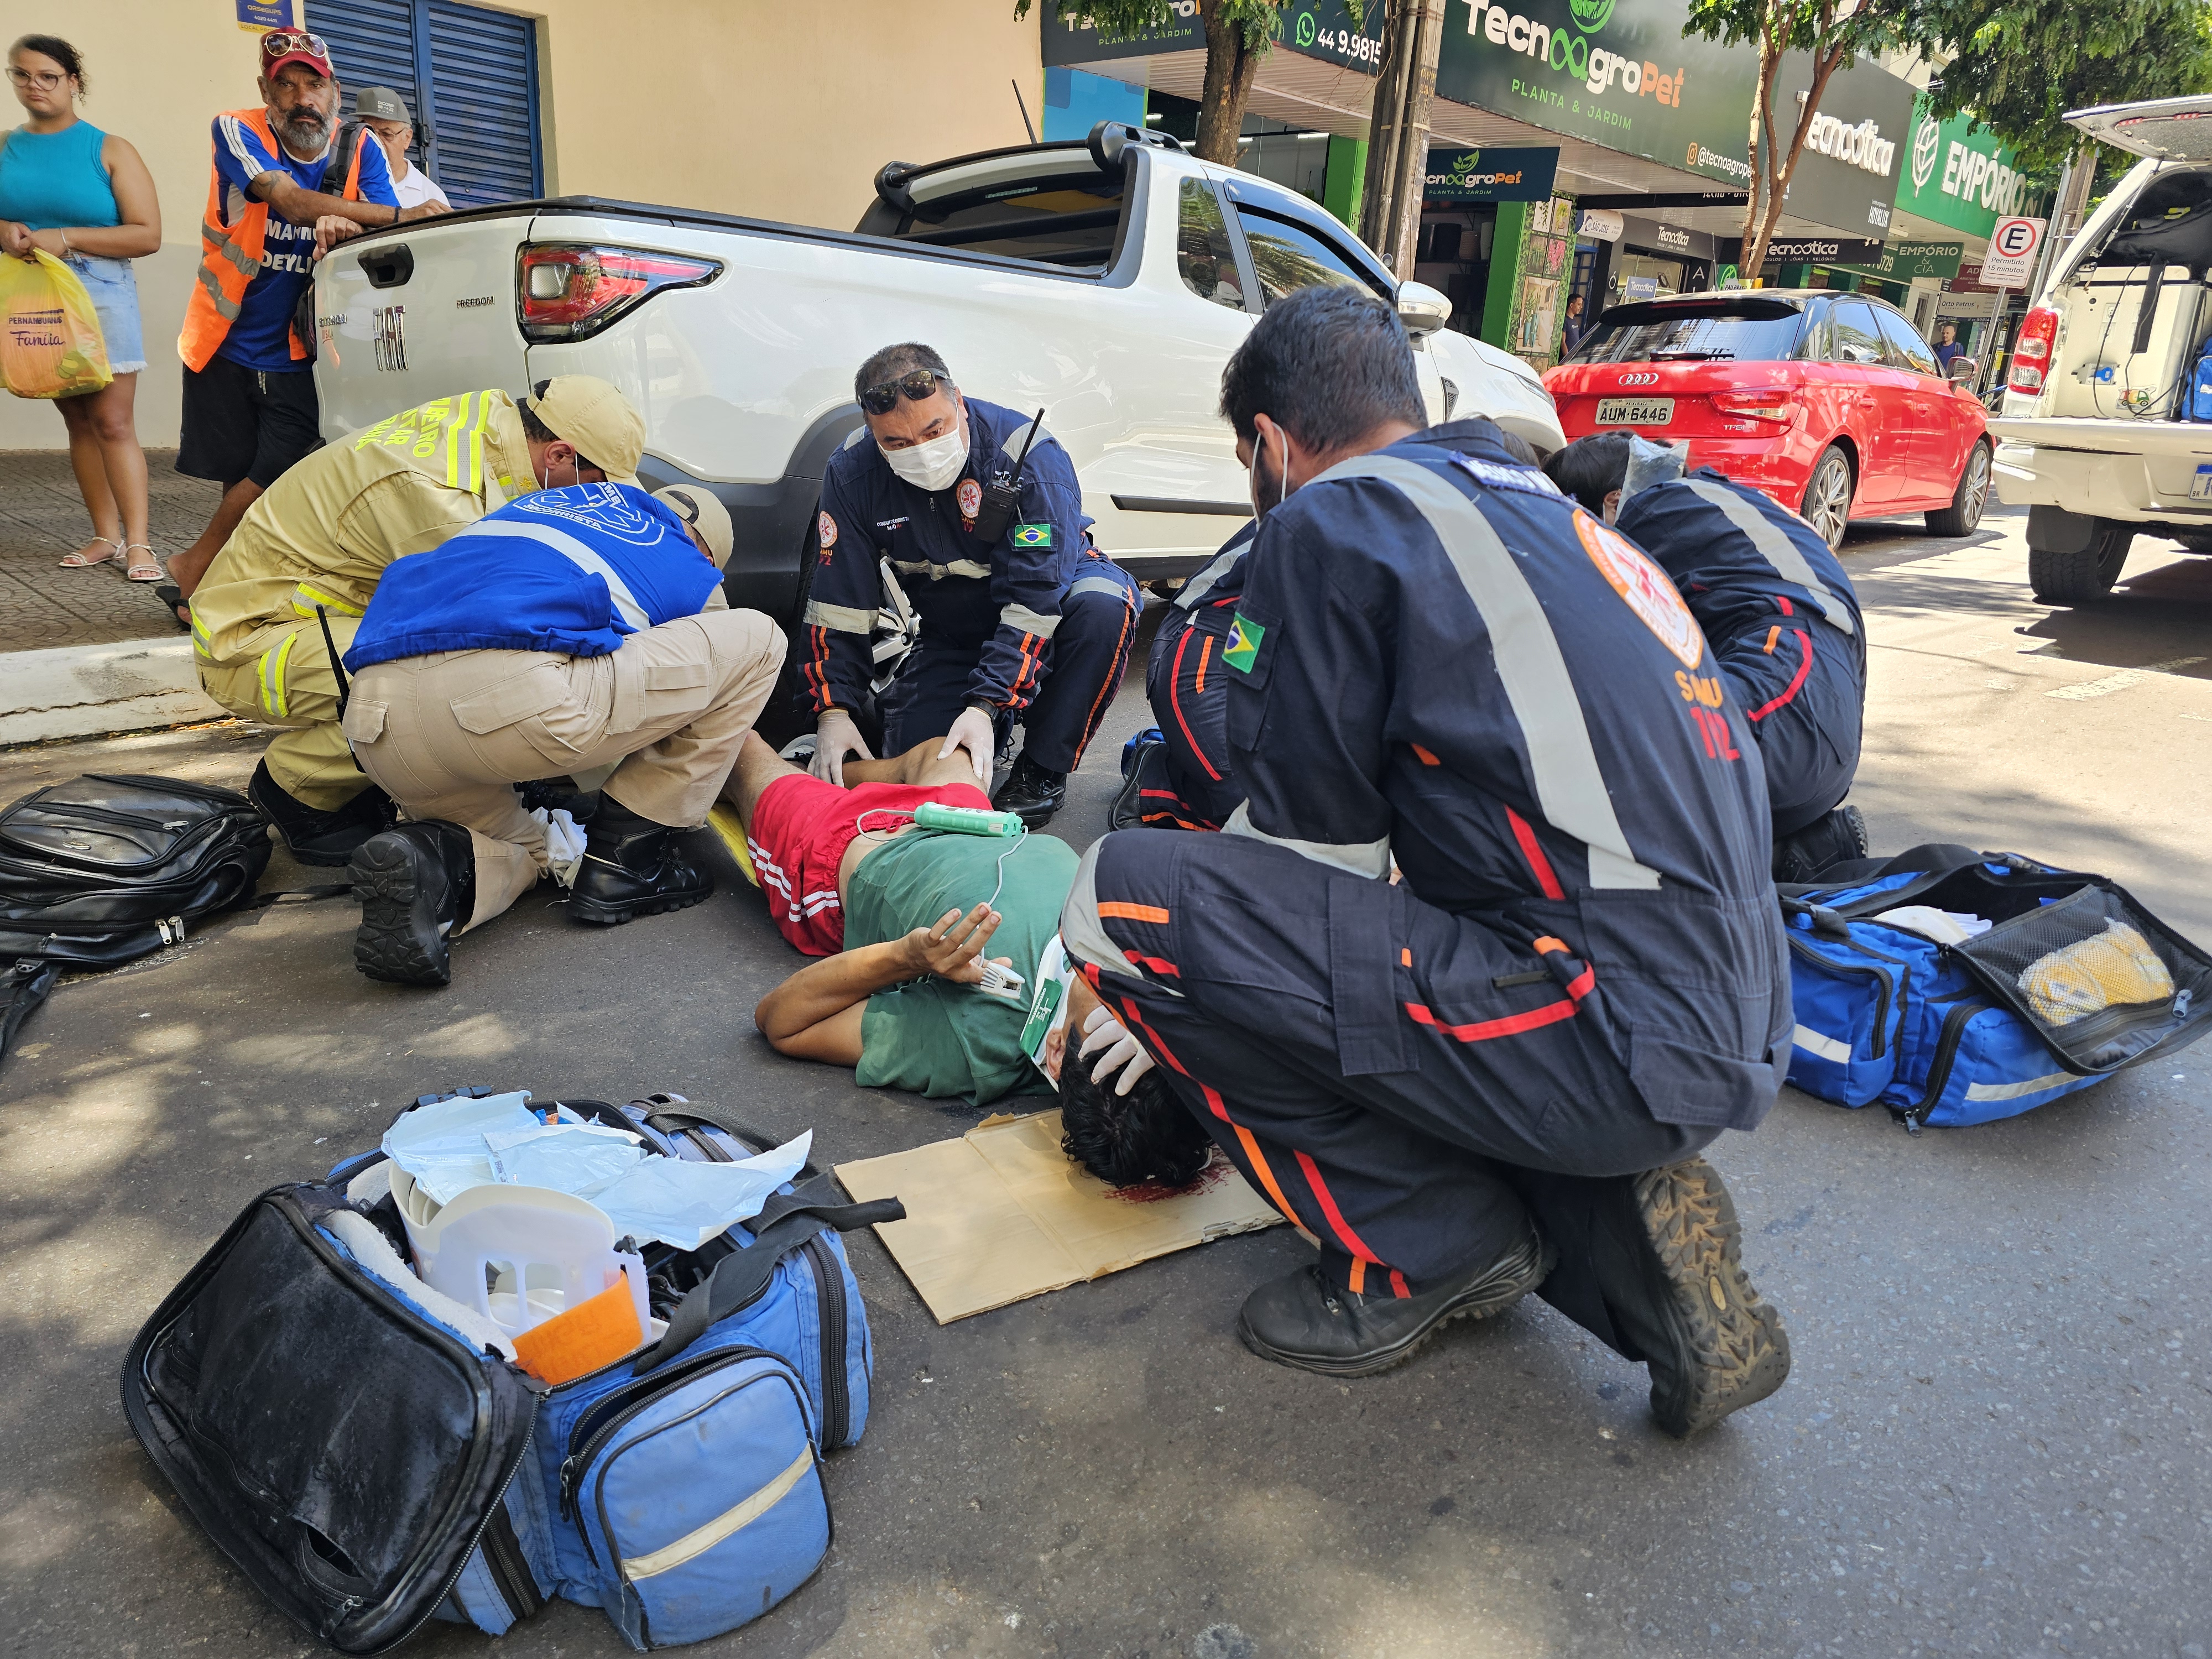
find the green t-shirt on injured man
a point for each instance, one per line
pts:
(929, 1035)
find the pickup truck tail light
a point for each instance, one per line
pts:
(571, 292)
(1771, 404)
(2030, 352)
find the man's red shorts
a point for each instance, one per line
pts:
(802, 825)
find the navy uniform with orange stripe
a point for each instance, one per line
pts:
(1036, 626)
(1439, 659)
(1783, 622)
(1187, 783)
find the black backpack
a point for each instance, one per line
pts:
(101, 871)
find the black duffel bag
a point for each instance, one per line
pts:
(100, 870)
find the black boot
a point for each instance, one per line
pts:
(632, 867)
(319, 837)
(1684, 1300)
(1031, 793)
(1301, 1319)
(1829, 840)
(416, 885)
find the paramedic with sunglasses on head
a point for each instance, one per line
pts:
(284, 184)
(1021, 618)
(1496, 1073)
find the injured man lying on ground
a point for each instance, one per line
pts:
(904, 918)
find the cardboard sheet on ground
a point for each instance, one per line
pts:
(1001, 1214)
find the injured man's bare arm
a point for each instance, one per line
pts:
(902, 918)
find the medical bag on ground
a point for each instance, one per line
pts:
(363, 1450)
(2068, 980)
(102, 870)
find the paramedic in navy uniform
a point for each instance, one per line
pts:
(1030, 623)
(1503, 1067)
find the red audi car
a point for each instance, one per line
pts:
(1831, 403)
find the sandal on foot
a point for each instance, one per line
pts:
(76, 560)
(147, 569)
(180, 607)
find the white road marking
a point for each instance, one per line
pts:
(2167, 667)
(2087, 689)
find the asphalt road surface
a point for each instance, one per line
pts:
(1994, 1443)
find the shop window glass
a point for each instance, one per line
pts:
(1287, 257)
(1853, 335)
(1907, 346)
(1203, 257)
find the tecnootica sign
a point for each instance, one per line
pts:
(1492, 175)
(1822, 251)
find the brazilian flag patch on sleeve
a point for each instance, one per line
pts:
(1030, 535)
(1244, 648)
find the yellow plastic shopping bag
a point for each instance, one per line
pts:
(50, 340)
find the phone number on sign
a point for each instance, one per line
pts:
(1352, 48)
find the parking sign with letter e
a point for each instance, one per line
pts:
(2014, 244)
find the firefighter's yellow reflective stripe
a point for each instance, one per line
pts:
(476, 444)
(454, 435)
(272, 678)
(305, 598)
(201, 643)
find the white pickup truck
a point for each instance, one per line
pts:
(1105, 282)
(2100, 438)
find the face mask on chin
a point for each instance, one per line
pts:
(932, 466)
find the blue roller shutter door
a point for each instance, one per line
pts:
(470, 72)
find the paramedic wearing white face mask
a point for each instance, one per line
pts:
(1186, 781)
(977, 512)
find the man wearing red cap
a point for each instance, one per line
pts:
(282, 187)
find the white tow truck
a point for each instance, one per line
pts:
(1105, 282)
(2097, 439)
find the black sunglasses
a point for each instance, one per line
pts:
(883, 398)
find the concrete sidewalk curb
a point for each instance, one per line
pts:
(91, 690)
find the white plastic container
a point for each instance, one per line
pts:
(517, 1255)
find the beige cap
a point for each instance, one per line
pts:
(703, 511)
(592, 415)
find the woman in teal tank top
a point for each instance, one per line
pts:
(85, 197)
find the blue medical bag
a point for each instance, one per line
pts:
(2006, 1021)
(370, 1468)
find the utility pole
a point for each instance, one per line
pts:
(1398, 134)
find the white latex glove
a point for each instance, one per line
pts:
(835, 736)
(1107, 1037)
(974, 731)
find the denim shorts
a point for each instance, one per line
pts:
(114, 292)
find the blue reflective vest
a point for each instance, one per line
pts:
(569, 571)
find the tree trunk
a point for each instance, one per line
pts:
(1410, 164)
(1231, 66)
(1384, 122)
(1824, 69)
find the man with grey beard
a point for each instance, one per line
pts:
(285, 184)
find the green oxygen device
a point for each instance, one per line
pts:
(965, 820)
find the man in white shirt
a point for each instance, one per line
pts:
(384, 112)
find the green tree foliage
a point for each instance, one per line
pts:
(2021, 66)
(1239, 35)
(1832, 34)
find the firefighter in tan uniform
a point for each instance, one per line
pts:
(312, 548)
